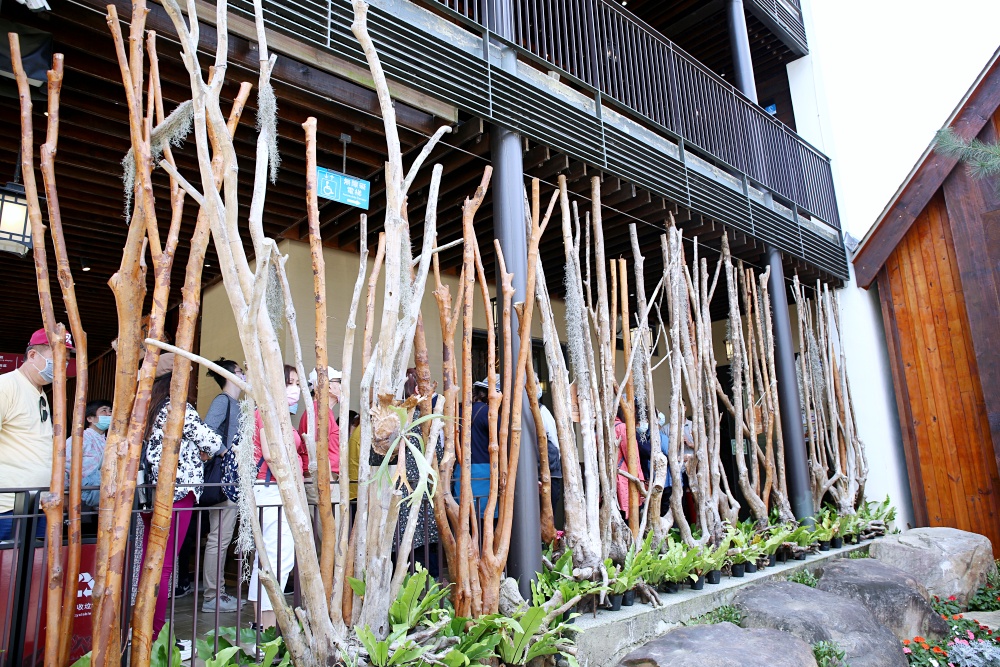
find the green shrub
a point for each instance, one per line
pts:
(829, 654)
(854, 555)
(727, 613)
(804, 577)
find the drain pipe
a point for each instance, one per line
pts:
(525, 557)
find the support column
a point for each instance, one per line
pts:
(525, 557)
(796, 456)
(740, 42)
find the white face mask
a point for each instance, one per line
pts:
(661, 419)
(292, 394)
(643, 427)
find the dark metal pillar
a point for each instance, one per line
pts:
(796, 457)
(525, 557)
(740, 41)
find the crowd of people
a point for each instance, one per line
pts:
(26, 461)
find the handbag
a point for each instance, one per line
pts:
(213, 495)
(231, 475)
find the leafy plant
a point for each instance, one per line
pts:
(727, 613)
(230, 648)
(803, 536)
(855, 555)
(525, 637)
(476, 643)
(804, 577)
(712, 558)
(404, 651)
(974, 654)
(829, 654)
(548, 580)
(746, 543)
(416, 600)
(947, 607)
(921, 652)
(987, 598)
(164, 651)
(675, 564)
(777, 535)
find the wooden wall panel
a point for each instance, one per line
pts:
(935, 358)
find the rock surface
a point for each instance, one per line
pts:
(990, 619)
(946, 561)
(813, 615)
(894, 598)
(722, 645)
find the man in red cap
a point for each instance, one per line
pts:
(26, 427)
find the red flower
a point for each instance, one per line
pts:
(952, 598)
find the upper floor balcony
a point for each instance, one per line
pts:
(595, 84)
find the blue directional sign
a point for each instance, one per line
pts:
(342, 188)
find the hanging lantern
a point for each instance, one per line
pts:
(15, 229)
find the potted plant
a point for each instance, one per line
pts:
(822, 533)
(618, 584)
(710, 561)
(745, 547)
(802, 537)
(676, 565)
(832, 521)
(638, 563)
(775, 540)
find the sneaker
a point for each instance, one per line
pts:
(226, 603)
(183, 590)
(185, 647)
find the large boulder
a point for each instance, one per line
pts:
(946, 561)
(722, 645)
(894, 598)
(813, 616)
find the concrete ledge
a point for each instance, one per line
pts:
(602, 641)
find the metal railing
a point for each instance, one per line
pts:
(606, 48)
(23, 570)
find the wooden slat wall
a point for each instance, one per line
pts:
(953, 447)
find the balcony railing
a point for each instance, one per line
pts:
(608, 49)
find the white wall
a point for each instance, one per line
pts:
(861, 316)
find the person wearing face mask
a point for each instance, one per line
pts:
(333, 429)
(26, 427)
(224, 418)
(273, 527)
(98, 421)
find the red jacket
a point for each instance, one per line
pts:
(333, 430)
(300, 448)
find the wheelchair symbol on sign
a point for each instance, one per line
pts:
(327, 188)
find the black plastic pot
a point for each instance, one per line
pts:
(628, 599)
(671, 587)
(751, 567)
(824, 545)
(772, 560)
(616, 601)
(698, 584)
(800, 556)
(837, 543)
(714, 577)
(738, 569)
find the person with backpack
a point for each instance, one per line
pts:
(198, 444)
(223, 417)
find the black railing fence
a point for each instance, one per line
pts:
(24, 567)
(601, 44)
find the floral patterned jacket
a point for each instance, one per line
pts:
(198, 437)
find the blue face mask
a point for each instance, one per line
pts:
(293, 408)
(103, 422)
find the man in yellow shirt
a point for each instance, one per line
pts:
(26, 427)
